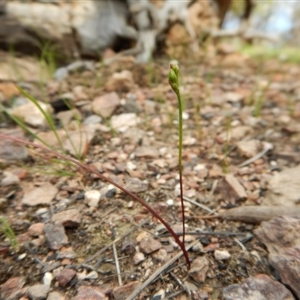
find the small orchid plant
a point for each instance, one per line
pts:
(173, 80)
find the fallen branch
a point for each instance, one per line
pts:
(258, 214)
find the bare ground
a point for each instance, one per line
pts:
(221, 96)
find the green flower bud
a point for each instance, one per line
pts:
(173, 78)
(175, 68)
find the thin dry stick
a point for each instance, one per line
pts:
(199, 205)
(158, 272)
(240, 244)
(181, 284)
(117, 264)
(267, 148)
(213, 233)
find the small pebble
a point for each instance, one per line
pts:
(110, 193)
(47, 279)
(138, 257)
(92, 198)
(170, 202)
(92, 275)
(221, 254)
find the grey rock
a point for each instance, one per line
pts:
(123, 121)
(92, 119)
(150, 152)
(65, 276)
(61, 73)
(9, 179)
(281, 236)
(38, 291)
(248, 148)
(55, 235)
(136, 185)
(12, 151)
(66, 254)
(259, 287)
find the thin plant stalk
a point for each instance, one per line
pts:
(107, 179)
(174, 83)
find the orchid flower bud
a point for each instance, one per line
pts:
(173, 77)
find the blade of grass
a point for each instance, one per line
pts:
(8, 232)
(46, 115)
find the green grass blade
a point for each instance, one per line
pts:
(25, 127)
(47, 116)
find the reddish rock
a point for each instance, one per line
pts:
(8, 90)
(199, 268)
(236, 186)
(258, 287)
(65, 276)
(91, 293)
(149, 245)
(68, 218)
(43, 194)
(120, 82)
(106, 104)
(281, 235)
(13, 288)
(122, 292)
(36, 229)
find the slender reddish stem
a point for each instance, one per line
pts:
(104, 178)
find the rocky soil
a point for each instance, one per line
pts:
(78, 237)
